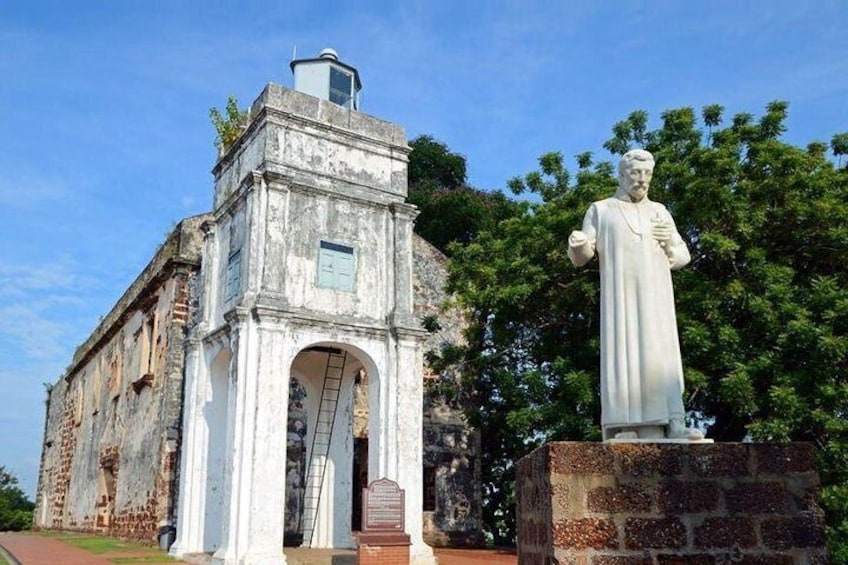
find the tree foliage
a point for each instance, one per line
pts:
(449, 210)
(15, 508)
(433, 163)
(762, 308)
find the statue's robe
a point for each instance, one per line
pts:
(641, 370)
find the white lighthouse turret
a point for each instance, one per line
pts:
(326, 77)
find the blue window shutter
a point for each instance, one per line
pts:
(344, 272)
(232, 283)
(336, 266)
(326, 269)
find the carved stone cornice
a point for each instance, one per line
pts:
(407, 326)
(238, 316)
(208, 228)
(337, 192)
(404, 210)
(335, 133)
(220, 335)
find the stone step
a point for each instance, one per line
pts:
(295, 556)
(306, 556)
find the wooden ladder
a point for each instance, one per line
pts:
(327, 410)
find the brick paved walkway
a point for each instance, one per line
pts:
(31, 549)
(476, 557)
(40, 550)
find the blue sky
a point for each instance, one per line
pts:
(107, 143)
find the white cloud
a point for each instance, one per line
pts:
(34, 334)
(39, 305)
(22, 418)
(61, 275)
(24, 188)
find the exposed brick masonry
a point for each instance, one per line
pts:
(380, 548)
(657, 504)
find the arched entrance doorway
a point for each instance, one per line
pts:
(326, 445)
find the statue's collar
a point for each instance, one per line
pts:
(624, 197)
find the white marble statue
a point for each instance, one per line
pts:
(638, 246)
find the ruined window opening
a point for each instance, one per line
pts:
(232, 284)
(148, 352)
(149, 343)
(115, 376)
(106, 495)
(336, 268)
(79, 404)
(96, 386)
(429, 481)
(113, 416)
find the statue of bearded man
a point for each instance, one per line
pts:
(638, 246)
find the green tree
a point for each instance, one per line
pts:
(15, 508)
(449, 210)
(762, 308)
(432, 162)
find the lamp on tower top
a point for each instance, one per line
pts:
(328, 78)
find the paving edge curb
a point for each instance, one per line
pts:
(8, 556)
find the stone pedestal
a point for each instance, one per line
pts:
(662, 504)
(383, 549)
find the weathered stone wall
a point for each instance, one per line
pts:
(451, 445)
(318, 151)
(623, 504)
(112, 428)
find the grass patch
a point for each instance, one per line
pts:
(59, 534)
(101, 544)
(96, 544)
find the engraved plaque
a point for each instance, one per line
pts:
(382, 507)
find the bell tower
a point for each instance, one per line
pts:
(309, 252)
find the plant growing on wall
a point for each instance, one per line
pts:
(228, 124)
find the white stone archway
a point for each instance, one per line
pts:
(328, 481)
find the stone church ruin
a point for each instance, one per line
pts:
(268, 362)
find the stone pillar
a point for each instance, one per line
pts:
(208, 277)
(255, 501)
(634, 503)
(403, 215)
(410, 441)
(395, 431)
(253, 250)
(276, 226)
(192, 459)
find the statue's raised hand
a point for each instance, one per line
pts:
(661, 231)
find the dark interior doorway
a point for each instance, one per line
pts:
(360, 480)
